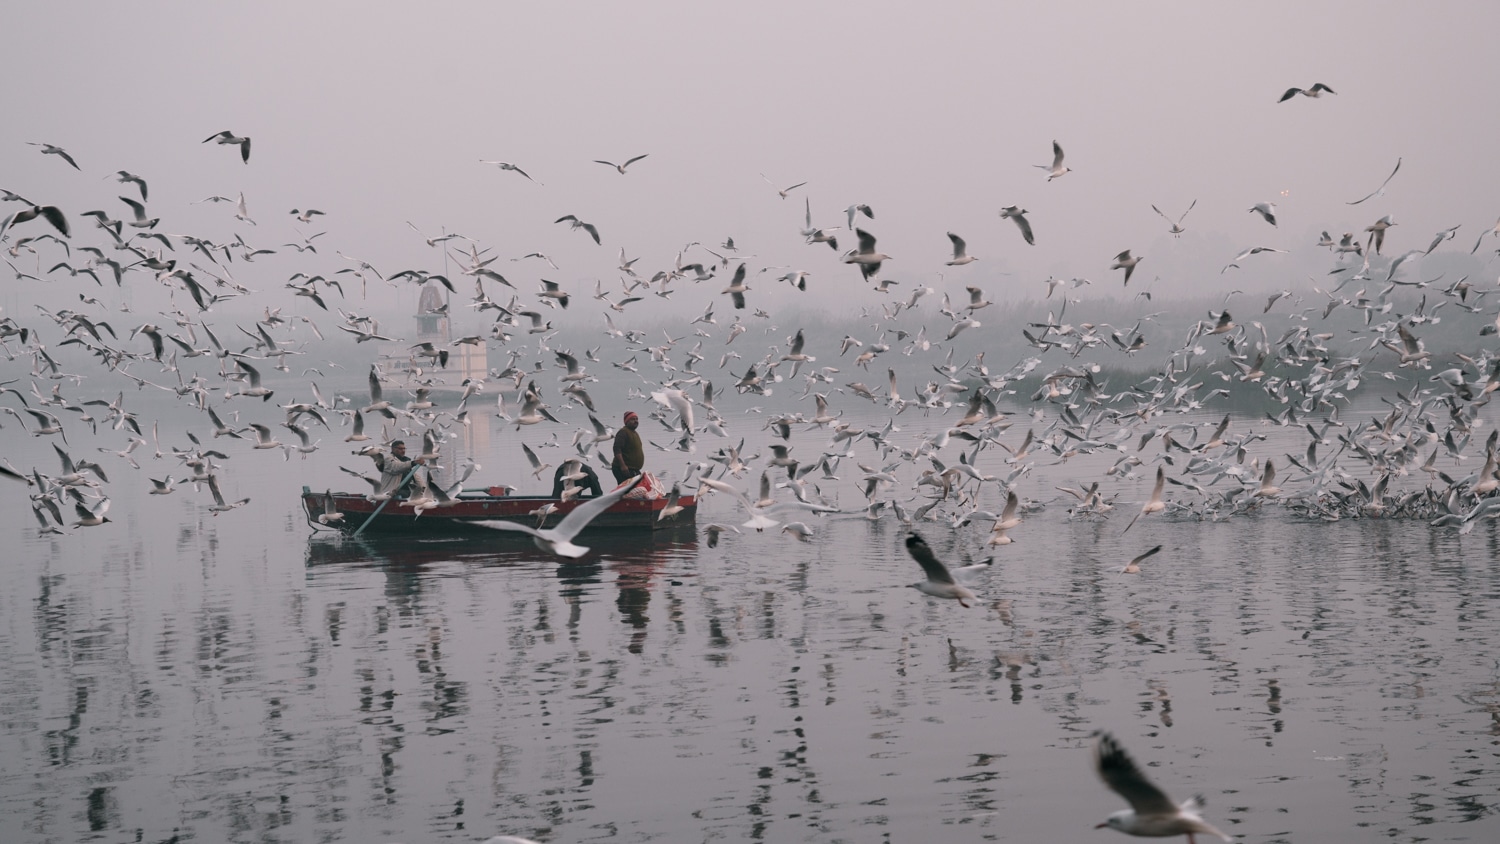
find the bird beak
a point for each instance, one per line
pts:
(1101, 826)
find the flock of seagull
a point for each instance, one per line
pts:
(1349, 469)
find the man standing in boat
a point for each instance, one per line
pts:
(393, 468)
(630, 457)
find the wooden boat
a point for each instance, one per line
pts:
(482, 505)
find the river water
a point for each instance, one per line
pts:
(176, 675)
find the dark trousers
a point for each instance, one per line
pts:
(623, 474)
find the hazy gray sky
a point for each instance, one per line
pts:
(378, 113)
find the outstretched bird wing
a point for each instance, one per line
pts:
(920, 551)
(580, 516)
(1119, 772)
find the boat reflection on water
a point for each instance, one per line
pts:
(636, 567)
(636, 560)
(330, 548)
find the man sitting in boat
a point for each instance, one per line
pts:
(575, 472)
(393, 468)
(630, 456)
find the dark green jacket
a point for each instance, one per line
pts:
(628, 449)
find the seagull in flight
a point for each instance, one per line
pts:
(559, 540)
(1493, 231)
(579, 224)
(784, 191)
(1134, 566)
(961, 254)
(868, 259)
(940, 582)
(49, 149)
(1254, 250)
(1018, 216)
(1154, 505)
(815, 234)
(620, 167)
(228, 137)
(1317, 90)
(1380, 190)
(1177, 228)
(1377, 232)
(858, 209)
(1056, 168)
(50, 213)
(1124, 261)
(1439, 237)
(506, 165)
(737, 288)
(220, 505)
(1151, 813)
(1266, 210)
(123, 177)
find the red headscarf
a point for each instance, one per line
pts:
(629, 415)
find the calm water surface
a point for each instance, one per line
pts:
(180, 676)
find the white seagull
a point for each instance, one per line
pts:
(713, 532)
(619, 167)
(228, 137)
(128, 177)
(49, 149)
(1151, 814)
(961, 254)
(1317, 90)
(1380, 190)
(1254, 250)
(1268, 487)
(50, 213)
(737, 288)
(506, 165)
(782, 192)
(1056, 168)
(91, 517)
(940, 582)
(330, 515)
(1177, 228)
(859, 208)
(762, 509)
(1018, 216)
(255, 388)
(1377, 232)
(1008, 520)
(1266, 210)
(220, 505)
(559, 540)
(868, 259)
(1134, 566)
(537, 466)
(1154, 505)
(1124, 261)
(960, 326)
(576, 223)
